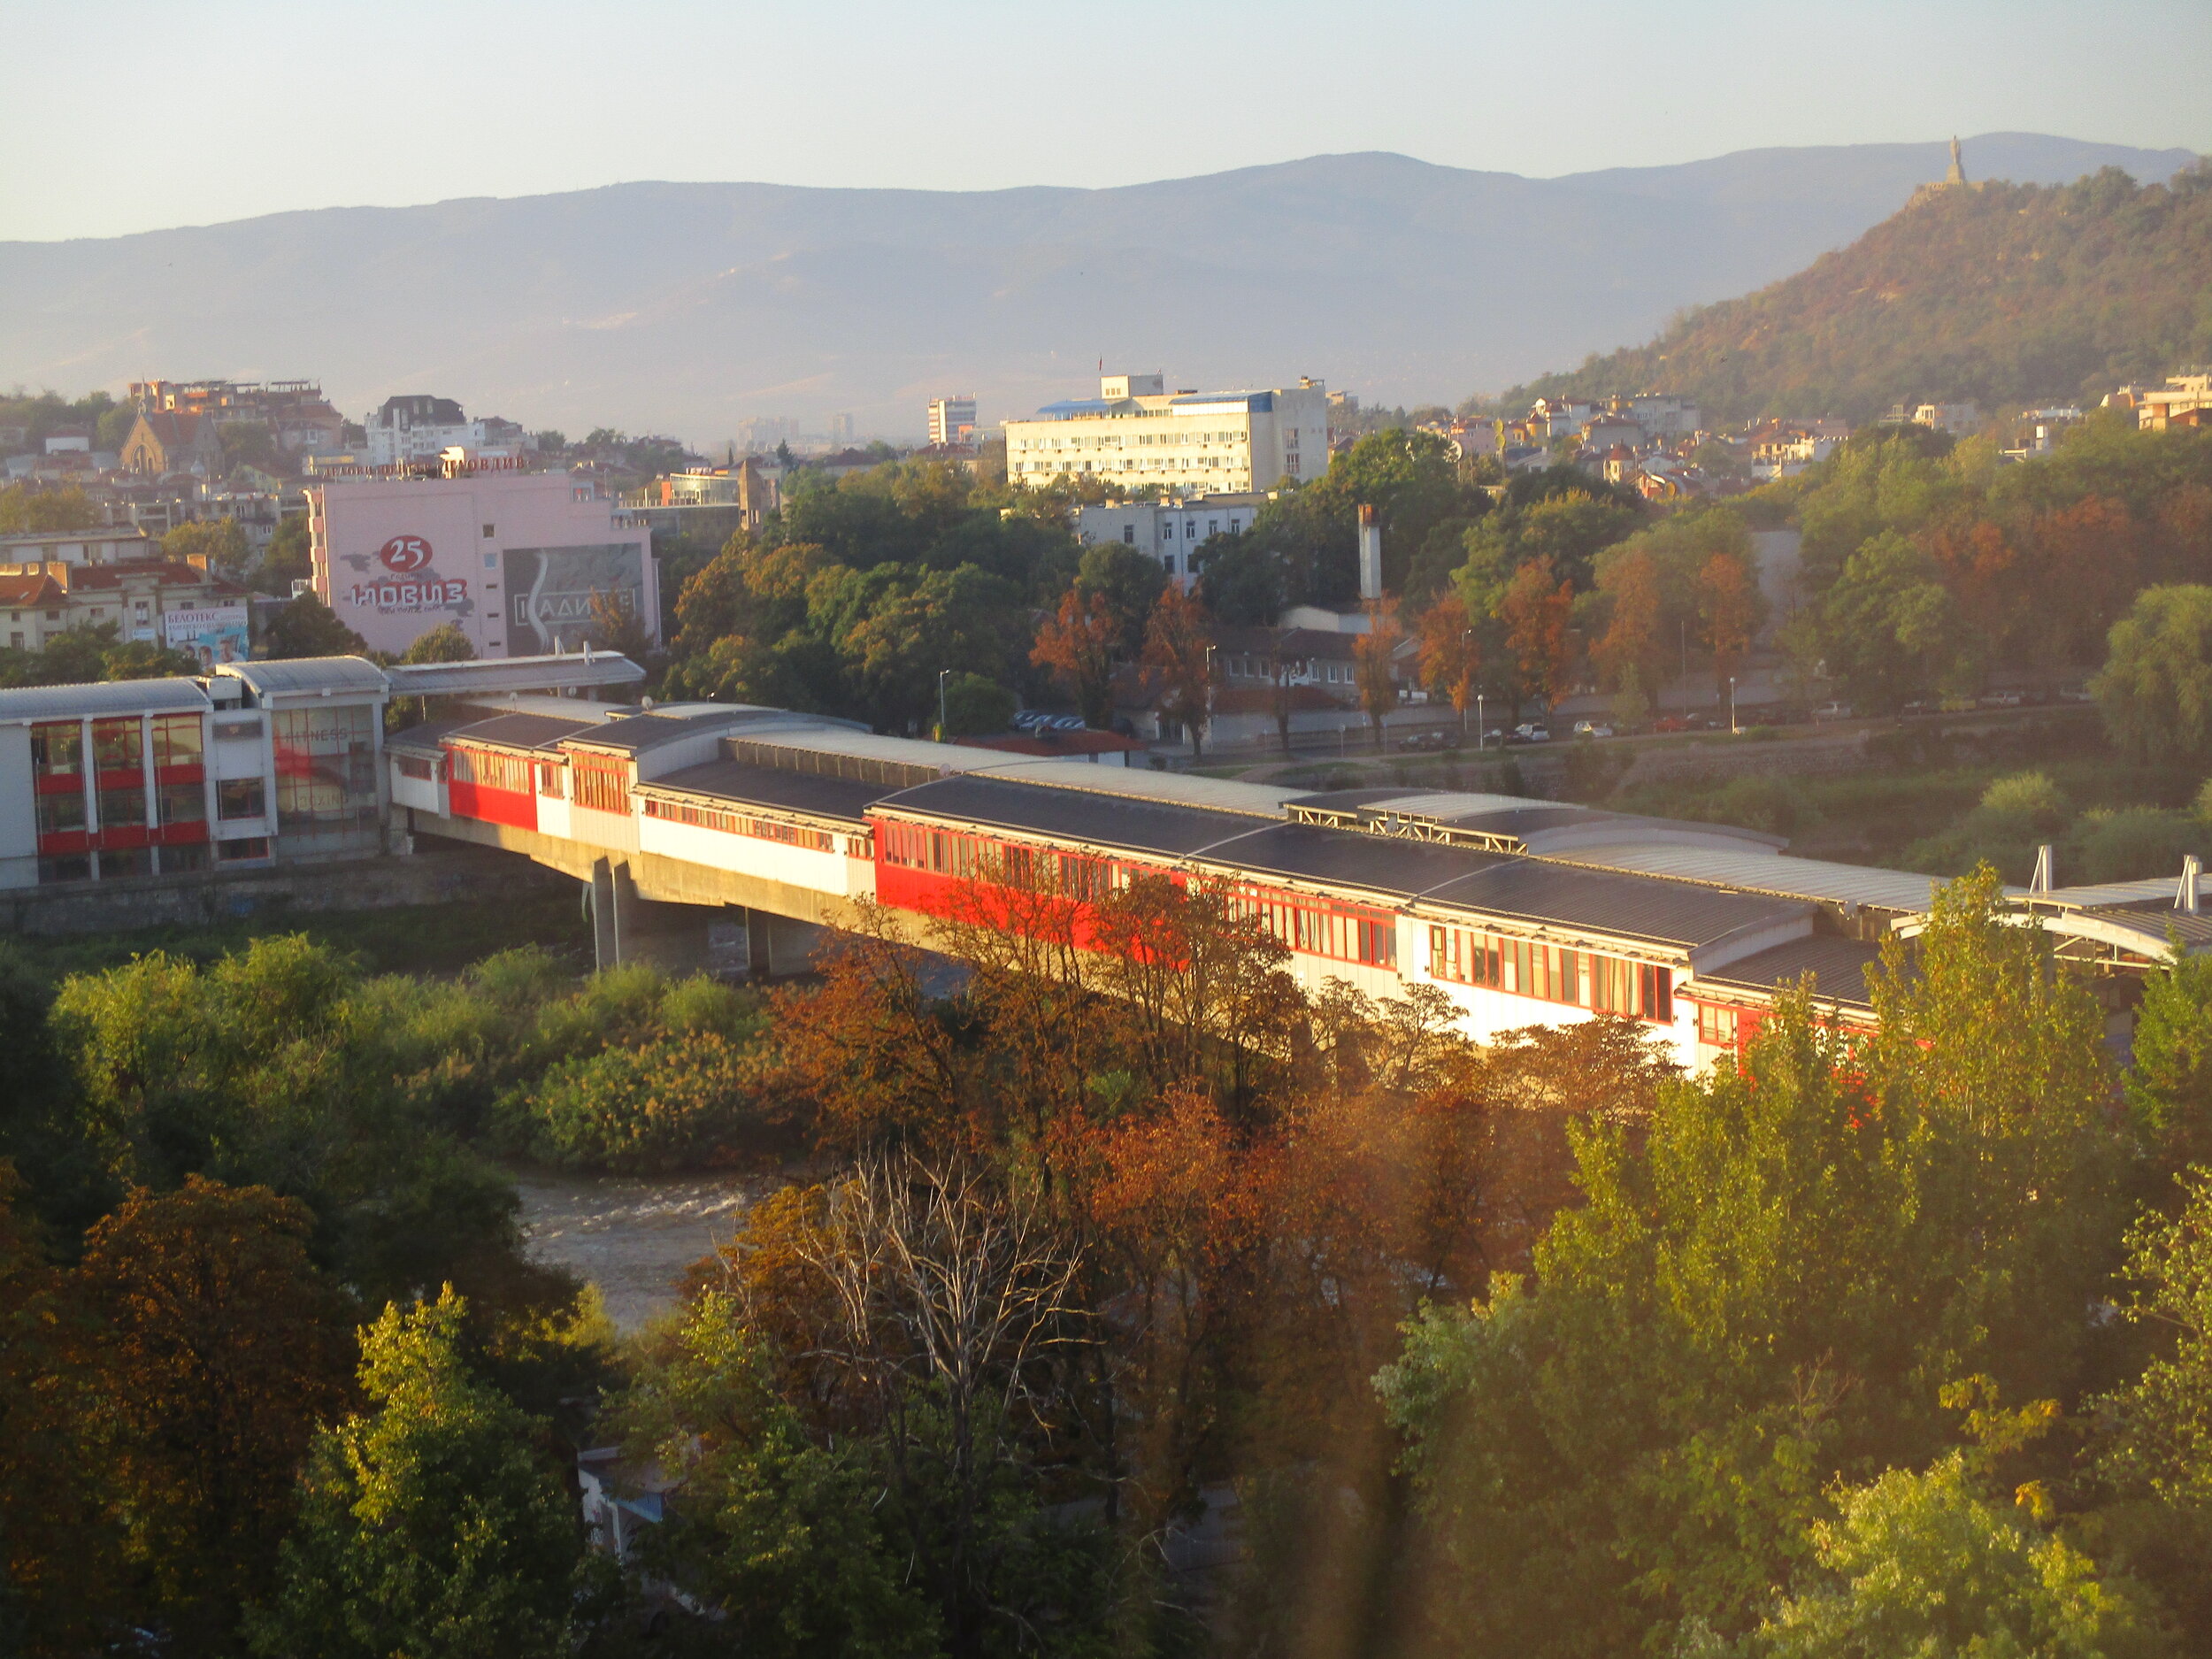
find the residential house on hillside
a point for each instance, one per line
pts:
(42, 598)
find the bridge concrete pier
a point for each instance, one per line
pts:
(730, 941)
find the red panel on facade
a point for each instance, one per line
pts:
(516, 809)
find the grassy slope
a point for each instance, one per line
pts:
(406, 939)
(2005, 295)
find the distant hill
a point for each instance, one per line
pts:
(691, 307)
(2010, 295)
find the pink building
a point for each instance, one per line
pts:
(516, 559)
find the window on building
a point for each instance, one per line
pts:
(122, 803)
(550, 779)
(487, 532)
(237, 798)
(117, 864)
(1716, 1025)
(1552, 973)
(602, 782)
(326, 769)
(67, 867)
(1168, 560)
(178, 741)
(62, 812)
(418, 766)
(184, 859)
(58, 750)
(1129, 534)
(119, 745)
(244, 847)
(183, 802)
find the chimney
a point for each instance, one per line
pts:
(1370, 555)
(2186, 898)
(2040, 882)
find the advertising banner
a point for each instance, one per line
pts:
(408, 585)
(560, 597)
(214, 633)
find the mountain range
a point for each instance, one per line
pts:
(690, 308)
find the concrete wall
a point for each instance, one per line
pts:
(365, 883)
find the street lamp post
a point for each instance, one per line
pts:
(943, 734)
(1733, 727)
(1482, 726)
(1466, 657)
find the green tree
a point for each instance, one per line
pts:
(2153, 1449)
(288, 557)
(220, 543)
(143, 659)
(782, 1535)
(976, 705)
(2155, 688)
(25, 507)
(430, 1525)
(1765, 1292)
(1128, 583)
(1243, 581)
(2170, 1081)
(1922, 1564)
(307, 627)
(216, 1350)
(1890, 627)
(445, 643)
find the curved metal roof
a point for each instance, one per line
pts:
(112, 697)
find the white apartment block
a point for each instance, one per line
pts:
(1139, 436)
(1171, 532)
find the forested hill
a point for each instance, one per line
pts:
(2006, 295)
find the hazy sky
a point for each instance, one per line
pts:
(120, 117)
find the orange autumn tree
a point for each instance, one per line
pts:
(1375, 664)
(1729, 610)
(1076, 644)
(1450, 656)
(1179, 650)
(1632, 647)
(1535, 609)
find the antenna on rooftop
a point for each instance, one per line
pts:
(2186, 895)
(2040, 882)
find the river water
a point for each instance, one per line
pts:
(632, 1236)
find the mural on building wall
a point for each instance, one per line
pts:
(549, 593)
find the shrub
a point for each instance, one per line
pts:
(2027, 794)
(2134, 843)
(683, 1100)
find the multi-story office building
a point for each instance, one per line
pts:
(524, 563)
(1139, 436)
(951, 419)
(1172, 532)
(161, 776)
(250, 765)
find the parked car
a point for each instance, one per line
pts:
(1423, 740)
(1530, 732)
(2001, 700)
(1837, 709)
(1592, 728)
